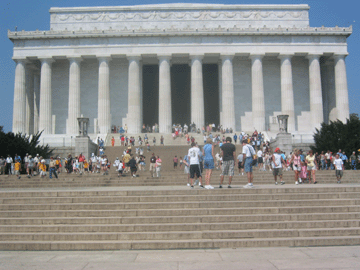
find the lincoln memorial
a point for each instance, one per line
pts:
(235, 65)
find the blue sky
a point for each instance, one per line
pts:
(30, 15)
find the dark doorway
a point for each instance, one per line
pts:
(211, 93)
(150, 94)
(180, 94)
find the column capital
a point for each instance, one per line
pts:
(75, 58)
(313, 56)
(256, 56)
(196, 57)
(136, 57)
(227, 56)
(285, 56)
(48, 60)
(106, 58)
(164, 56)
(340, 56)
(20, 60)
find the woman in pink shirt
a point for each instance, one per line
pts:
(296, 160)
(158, 166)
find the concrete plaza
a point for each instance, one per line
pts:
(342, 257)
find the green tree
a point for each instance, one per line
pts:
(338, 135)
(11, 144)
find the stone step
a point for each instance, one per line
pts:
(196, 200)
(182, 212)
(174, 235)
(181, 244)
(166, 227)
(179, 219)
(176, 206)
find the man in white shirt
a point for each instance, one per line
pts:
(277, 162)
(194, 153)
(248, 152)
(338, 163)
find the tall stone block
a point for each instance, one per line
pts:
(45, 117)
(134, 96)
(19, 109)
(316, 101)
(287, 91)
(165, 114)
(74, 95)
(104, 120)
(29, 100)
(258, 97)
(227, 96)
(341, 89)
(197, 92)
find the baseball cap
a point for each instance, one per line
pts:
(277, 149)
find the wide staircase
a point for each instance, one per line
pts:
(106, 212)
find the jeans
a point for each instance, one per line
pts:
(323, 164)
(52, 171)
(353, 164)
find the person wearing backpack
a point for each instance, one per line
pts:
(248, 152)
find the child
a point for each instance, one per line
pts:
(86, 166)
(17, 168)
(42, 168)
(120, 168)
(339, 168)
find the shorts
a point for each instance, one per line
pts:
(209, 164)
(240, 165)
(297, 168)
(195, 169)
(248, 164)
(277, 171)
(311, 168)
(339, 173)
(133, 169)
(175, 164)
(228, 168)
(260, 160)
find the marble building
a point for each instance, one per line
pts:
(237, 65)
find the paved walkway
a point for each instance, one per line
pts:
(224, 259)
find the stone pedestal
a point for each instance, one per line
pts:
(284, 142)
(83, 145)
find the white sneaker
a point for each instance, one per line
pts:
(300, 181)
(242, 173)
(247, 186)
(188, 184)
(296, 183)
(275, 183)
(211, 187)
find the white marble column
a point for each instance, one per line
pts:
(227, 97)
(220, 90)
(74, 96)
(45, 117)
(287, 91)
(134, 95)
(104, 119)
(197, 92)
(30, 99)
(258, 97)
(316, 101)
(341, 89)
(19, 109)
(36, 101)
(165, 114)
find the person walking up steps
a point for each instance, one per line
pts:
(229, 156)
(194, 153)
(277, 162)
(248, 152)
(338, 162)
(152, 165)
(208, 153)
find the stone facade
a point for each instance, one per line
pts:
(91, 62)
